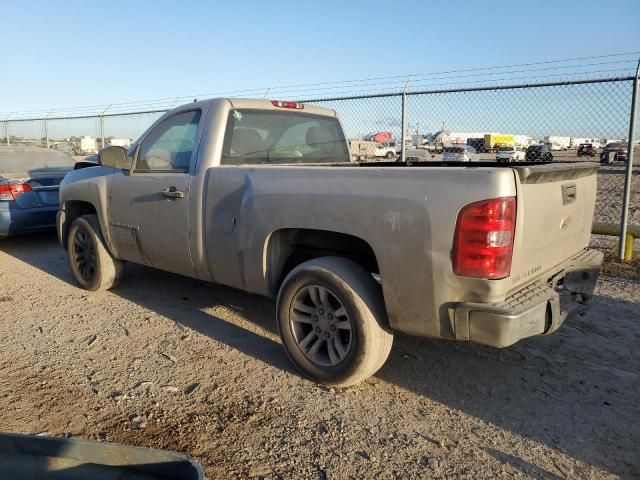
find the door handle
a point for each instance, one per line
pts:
(172, 192)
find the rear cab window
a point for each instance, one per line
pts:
(455, 150)
(278, 138)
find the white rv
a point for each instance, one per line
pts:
(88, 145)
(558, 143)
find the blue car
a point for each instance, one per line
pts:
(29, 183)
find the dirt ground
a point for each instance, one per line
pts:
(164, 362)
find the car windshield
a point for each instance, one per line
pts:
(26, 159)
(274, 137)
(506, 149)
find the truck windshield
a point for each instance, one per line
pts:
(273, 137)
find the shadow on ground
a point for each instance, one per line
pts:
(573, 391)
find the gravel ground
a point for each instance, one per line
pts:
(162, 361)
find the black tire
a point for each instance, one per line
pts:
(92, 265)
(355, 290)
(389, 155)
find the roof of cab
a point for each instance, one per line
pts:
(258, 103)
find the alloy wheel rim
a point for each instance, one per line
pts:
(84, 254)
(321, 326)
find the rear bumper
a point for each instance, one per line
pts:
(15, 220)
(538, 309)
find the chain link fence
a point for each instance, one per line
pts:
(558, 116)
(561, 116)
(68, 133)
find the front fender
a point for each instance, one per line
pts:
(88, 186)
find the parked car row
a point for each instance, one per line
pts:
(612, 152)
(466, 153)
(369, 150)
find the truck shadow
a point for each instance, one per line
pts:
(574, 391)
(186, 301)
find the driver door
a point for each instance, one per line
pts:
(149, 206)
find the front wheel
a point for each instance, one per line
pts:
(331, 319)
(91, 263)
(390, 155)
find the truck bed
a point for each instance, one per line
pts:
(408, 219)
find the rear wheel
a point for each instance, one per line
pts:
(91, 263)
(390, 155)
(331, 321)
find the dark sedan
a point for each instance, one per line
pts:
(29, 182)
(538, 153)
(614, 152)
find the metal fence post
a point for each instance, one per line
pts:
(403, 133)
(629, 170)
(46, 131)
(101, 119)
(6, 131)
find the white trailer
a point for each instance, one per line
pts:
(462, 137)
(120, 142)
(88, 145)
(557, 143)
(523, 140)
(596, 142)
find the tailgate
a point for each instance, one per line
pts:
(554, 216)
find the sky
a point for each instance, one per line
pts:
(77, 53)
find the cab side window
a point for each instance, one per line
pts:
(169, 147)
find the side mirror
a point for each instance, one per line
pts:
(115, 156)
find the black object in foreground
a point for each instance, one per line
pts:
(51, 458)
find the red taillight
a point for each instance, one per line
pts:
(10, 191)
(287, 104)
(483, 243)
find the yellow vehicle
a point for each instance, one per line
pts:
(493, 140)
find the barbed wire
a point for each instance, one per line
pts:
(483, 76)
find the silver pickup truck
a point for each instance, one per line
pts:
(262, 196)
